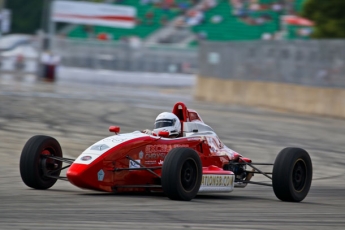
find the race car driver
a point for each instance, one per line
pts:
(166, 121)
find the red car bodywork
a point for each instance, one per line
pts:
(109, 165)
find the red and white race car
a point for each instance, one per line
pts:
(195, 162)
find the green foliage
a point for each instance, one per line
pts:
(26, 15)
(328, 15)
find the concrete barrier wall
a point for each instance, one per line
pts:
(290, 97)
(319, 63)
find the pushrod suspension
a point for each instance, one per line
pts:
(253, 182)
(66, 160)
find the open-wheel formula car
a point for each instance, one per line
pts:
(195, 162)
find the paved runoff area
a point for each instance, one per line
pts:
(78, 114)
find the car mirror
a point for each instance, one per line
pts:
(114, 129)
(163, 133)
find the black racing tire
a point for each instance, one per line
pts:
(181, 174)
(292, 174)
(34, 164)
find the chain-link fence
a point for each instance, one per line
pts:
(314, 63)
(125, 56)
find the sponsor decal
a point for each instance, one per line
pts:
(100, 175)
(86, 158)
(118, 139)
(154, 153)
(162, 148)
(194, 139)
(100, 147)
(212, 144)
(155, 156)
(133, 164)
(141, 155)
(225, 151)
(217, 180)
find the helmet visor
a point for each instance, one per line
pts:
(164, 123)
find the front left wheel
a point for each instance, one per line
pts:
(37, 170)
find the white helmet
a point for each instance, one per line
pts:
(168, 122)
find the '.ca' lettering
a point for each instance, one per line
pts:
(217, 180)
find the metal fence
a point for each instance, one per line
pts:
(125, 56)
(312, 62)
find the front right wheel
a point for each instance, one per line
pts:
(292, 174)
(35, 164)
(181, 174)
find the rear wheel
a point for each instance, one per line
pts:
(181, 174)
(34, 164)
(292, 174)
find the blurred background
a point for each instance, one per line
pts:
(221, 45)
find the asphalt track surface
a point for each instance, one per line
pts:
(79, 114)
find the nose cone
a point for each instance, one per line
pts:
(77, 175)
